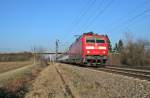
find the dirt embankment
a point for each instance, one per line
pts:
(84, 83)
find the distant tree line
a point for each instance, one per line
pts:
(25, 56)
(118, 46)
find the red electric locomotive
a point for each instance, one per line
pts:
(89, 49)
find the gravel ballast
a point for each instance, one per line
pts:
(97, 84)
(87, 83)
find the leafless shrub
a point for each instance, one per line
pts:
(135, 53)
(39, 56)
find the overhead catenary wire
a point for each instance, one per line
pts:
(122, 20)
(83, 12)
(129, 20)
(92, 15)
(130, 12)
(93, 18)
(139, 19)
(100, 12)
(140, 14)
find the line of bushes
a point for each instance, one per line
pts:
(15, 57)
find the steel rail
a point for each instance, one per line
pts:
(141, 74)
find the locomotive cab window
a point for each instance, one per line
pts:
(100, 41)
(90, 40)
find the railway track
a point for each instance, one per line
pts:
(136, 73)
(68, 92)
(141, 74)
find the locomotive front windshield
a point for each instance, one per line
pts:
(90, 40)
(94, 40)
(99, 41)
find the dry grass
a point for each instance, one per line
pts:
(17, 76)
(114, 59)
(7, 66)
(15, 83)
(47, 85)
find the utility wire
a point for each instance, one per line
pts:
(81, 11)
(140, 14)
(98, 14)
(132, 18)
(133, 11)
(90, 4)
(91, 15)
(78, 16)
(145, 16)
(84, 13)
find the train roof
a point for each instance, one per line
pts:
(92, 34)
(89, 34)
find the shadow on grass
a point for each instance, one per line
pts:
(4, 93)
(14, 89)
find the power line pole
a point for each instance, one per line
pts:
(34, 55)
(57, 47)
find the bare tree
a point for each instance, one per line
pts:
(135, 52)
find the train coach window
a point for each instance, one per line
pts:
(90, 40)
(100, 41)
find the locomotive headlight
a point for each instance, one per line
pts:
(88, 51)
(102, 47)
(104, 51)
(89, 47)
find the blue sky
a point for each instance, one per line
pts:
(28, 23)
